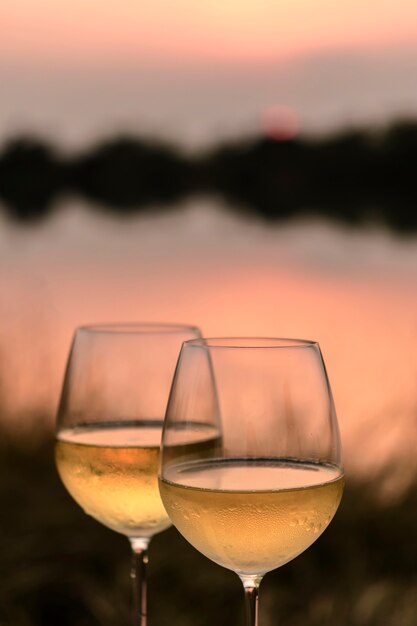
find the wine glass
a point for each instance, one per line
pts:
(109, 427)
(275, 479)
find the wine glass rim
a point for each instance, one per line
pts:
(233, 343)
(138, 328)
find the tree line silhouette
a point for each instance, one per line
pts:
(356, 176)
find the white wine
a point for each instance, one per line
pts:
(251, 515)
(112, 473)
(111, 470)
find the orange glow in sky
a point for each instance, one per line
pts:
(92, 30)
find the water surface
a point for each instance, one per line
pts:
(355, 291)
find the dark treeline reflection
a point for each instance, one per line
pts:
(356, 176)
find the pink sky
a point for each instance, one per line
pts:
(199, 72)
(109, 30)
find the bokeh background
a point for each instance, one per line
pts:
(245, 166)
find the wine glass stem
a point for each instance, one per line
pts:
(138, 576)
(251, 587)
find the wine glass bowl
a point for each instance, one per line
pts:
(275, 478)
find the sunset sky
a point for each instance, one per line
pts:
(77, 71)
(193, 69)
(97, 32)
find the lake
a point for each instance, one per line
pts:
(355, 291)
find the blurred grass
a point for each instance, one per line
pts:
(57, 566)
